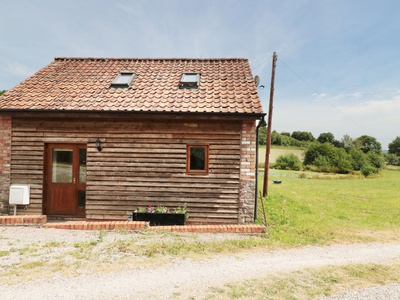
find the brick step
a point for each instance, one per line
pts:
(41, 220)
(23, 220)
(240, 228)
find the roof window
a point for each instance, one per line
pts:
(123, 79)
(190, 81)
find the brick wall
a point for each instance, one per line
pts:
(5, 161)
(247, 172)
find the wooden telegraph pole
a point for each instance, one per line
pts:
(269, 126)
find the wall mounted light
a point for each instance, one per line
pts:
(98, 145)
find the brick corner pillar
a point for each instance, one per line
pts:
(5, 162)
(247, 172)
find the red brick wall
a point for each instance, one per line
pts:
(247, 171)
(5, 160)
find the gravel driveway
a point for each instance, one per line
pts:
(194, 276)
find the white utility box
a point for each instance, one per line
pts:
(19, 194)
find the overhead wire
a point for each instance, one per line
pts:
(323, 97)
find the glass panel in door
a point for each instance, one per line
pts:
(62, 166)
(82, 165)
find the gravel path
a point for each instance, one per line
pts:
(194, 276)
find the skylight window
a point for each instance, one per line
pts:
(123, 79)
(190, 81)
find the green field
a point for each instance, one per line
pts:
(278, 151)
(311, 208)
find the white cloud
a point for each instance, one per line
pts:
(388, 107)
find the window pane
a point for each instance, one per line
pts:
(189, 81)
(81, 198)
(82, 165)
(190, 78)
(123, 79)
(198, 158)
(62, 166)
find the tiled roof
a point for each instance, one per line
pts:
(83, 84)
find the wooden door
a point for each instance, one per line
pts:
(65, 180)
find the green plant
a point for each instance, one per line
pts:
(288, 162)
(182, 210)
(343, 161)
(102, 234)
(368, 170)
(392, 159)
(160, 209)
(376, 160)
(328, 158)
(303, 175)
(319, 154)
(359, 159)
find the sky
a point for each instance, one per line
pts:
(338, 67)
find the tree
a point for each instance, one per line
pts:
(343, 161)
(347, 142)
(394, 146)
(326, 137)
(2, 92)
(360, 159)
(262, 135)
(376, 160)
(303, 136)
(368, 143)
(285, 133)
(319, 154)
(329, 158)
(280, 139)
(392, 159)
(276, 138)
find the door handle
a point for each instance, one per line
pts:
(74, 180)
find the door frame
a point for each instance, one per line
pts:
(79, 211)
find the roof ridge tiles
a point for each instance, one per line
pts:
(147, 59)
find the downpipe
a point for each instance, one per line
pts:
(261, 123)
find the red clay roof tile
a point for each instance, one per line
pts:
(84, 84)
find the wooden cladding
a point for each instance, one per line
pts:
(142, 162)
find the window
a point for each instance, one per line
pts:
(190, 81)
(197, 159)
(123, 79)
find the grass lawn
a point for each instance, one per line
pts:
(318, 209)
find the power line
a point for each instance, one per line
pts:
(323, 97)
(263, 61)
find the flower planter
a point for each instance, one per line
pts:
(160, 219)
